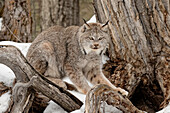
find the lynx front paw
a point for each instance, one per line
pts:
(122, 91)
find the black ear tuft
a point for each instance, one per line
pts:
(85, 26)
(86, 22)
(105, 27)
(105, 24)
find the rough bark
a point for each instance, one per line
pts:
(36, 6)
(2, 5)
(47, 13)
(16, 24)
(23, 90)
(101, 94)
(59, 12)
(140, 31)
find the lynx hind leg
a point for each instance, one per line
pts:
(99, 78)
(43, 60)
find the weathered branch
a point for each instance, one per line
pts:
(12, 57)
(22, 96)
(103, 93)
(3, 88)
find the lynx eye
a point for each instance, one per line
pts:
(100, 38)
(91, 38)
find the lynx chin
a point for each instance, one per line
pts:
(75, 52)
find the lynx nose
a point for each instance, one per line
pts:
(96, 46)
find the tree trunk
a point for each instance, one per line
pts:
(47, 13)
(16, 24)
(140, 31)
(59, 12)
(36, 17)
(2, 5)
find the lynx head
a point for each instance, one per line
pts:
(94, 37)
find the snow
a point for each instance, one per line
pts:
(54, 108)
(165, 110)
(23, 47)
(7, 76)
(92, 19)
(4, 102)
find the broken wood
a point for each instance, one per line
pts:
(3, 88)
(103, 93)
(13, 58)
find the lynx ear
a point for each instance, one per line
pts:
(85, 26)
(105, 26)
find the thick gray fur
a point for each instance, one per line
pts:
(75, 52)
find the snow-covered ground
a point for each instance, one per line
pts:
(7, 76)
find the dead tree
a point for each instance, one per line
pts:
(30, 81)
(140, 62)
(16, 24)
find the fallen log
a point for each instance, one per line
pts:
(29, 80)
(101, 94)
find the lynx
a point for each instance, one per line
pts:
(75, 52)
